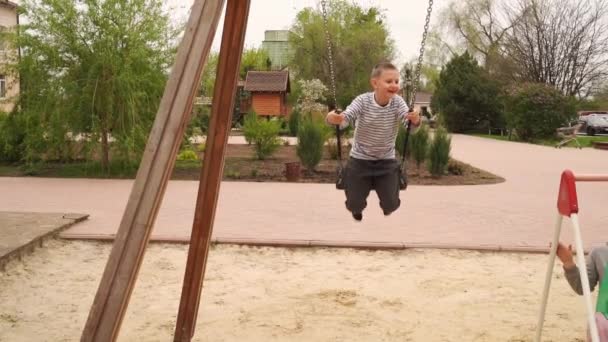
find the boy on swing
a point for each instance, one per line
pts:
(376, 117)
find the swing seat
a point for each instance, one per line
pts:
(340, 180)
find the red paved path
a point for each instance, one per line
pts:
(519, 213)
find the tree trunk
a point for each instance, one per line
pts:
(105, 149)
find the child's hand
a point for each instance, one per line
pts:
(565, 255)
(335, 118)
(413, 117)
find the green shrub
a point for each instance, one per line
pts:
(234, 174)
(249, 126)
(198, 126)
(12, 137)
(201, 119)
(439, 152)
(400, 139)
(263, 134)
(311, 138)
(535, 111)
(294, 122)
(267, 139)
(187, 155)
(467, 96)
(419, 145)
(32, 169)
(283, 122)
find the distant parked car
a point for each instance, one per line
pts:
(594, 123)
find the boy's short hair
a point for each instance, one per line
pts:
(380, 67)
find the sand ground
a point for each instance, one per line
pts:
(276, 294)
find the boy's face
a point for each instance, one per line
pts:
(386, 85)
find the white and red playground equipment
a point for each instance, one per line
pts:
(567, 206)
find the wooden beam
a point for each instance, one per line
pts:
(233, 37)
(118, 280)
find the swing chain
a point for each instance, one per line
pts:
(329, 53)
(403, 167)
(421, 55)
(340, 174)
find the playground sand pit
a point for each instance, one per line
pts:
(277, 294)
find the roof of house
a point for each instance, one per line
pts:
(9, 4)
(273, 81)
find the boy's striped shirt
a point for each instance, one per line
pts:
(376, 126)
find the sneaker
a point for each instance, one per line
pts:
(358, 216)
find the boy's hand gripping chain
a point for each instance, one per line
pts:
(340, 171)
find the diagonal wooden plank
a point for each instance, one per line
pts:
(118, 280)
(233, 36)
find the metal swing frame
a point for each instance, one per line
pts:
(567, 206)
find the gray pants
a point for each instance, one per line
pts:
(361, 176)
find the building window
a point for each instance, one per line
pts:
(2, 86)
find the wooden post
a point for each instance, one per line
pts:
(233, 37)
(118, 280)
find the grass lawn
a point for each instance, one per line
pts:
(585, 141)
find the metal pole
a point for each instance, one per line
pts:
(582, 267)
(549, 275)
(591, 178)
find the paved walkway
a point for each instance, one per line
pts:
(21, 232)
(516, 214)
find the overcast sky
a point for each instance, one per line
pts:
(405, 19)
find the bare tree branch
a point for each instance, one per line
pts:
(561, 43)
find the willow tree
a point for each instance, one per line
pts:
(93, 71)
